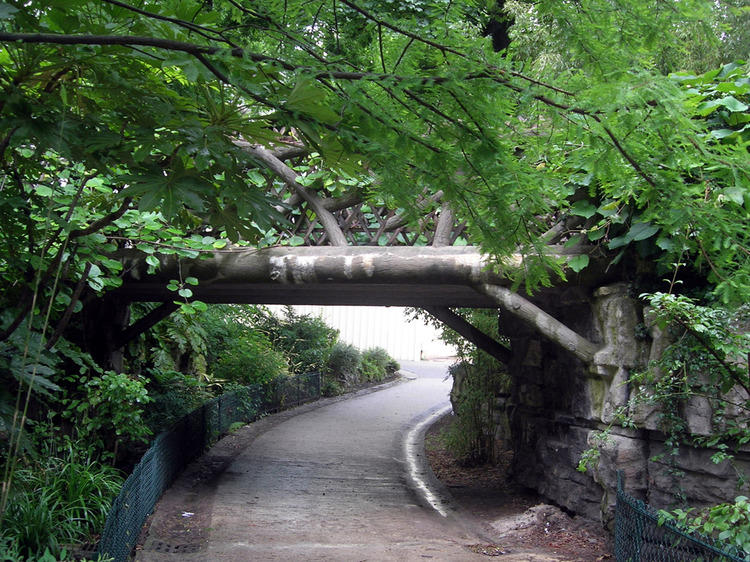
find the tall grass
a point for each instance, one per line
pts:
(57, 500)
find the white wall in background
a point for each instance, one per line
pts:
(380, 326)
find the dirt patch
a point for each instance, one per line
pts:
(516, 519)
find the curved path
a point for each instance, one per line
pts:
(323, 483)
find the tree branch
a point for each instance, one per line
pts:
(329, 222)
(75, 297)
(129, 40)
(206, 32)
(102, 222)
(330, 203)
(444, 227)
(542, 322)
(400, 220)
(142, 324)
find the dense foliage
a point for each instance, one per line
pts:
(138, 131)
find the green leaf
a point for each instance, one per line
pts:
(185, 292)
(152, 260)
(577, 263)
(641, 231)
(256, 178)
(574, 241)
(191, 281)
(7, 11)
(583, 208)
(722, 133)
(735, 194)
(733, 104)
(665, 244)
(309, 98)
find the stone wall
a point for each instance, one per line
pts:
(557, 403)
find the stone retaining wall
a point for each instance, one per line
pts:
(557, 403)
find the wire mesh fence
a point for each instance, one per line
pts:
(639, 537)
(174, 449)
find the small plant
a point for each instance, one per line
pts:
(727, 522)
(471, 437)
(61, 499)
(108, 409)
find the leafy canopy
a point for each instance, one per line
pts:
(110, 105)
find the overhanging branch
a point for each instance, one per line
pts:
(329, 222)
(146, 323)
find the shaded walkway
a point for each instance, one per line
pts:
(320, 483)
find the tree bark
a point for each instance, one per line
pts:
(444, 227)
(326, 218)
(545, 324)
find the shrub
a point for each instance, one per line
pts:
(108, 409)
(251, 360)
(377, 364)
(344, 362)
(306, 341)
(471, 437)
(331, 386)
(174, 395)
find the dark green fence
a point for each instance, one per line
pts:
(640, 538)
(171, 452)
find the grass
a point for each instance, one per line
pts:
(57, 501)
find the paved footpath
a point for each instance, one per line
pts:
(333, 482)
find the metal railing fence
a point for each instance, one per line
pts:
(174, 449)
(640, 538)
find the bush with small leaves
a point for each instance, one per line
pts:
(376, 364)
(252, 360)
(344, 363)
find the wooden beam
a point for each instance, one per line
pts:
(145, 323)
(471, 333)
(297, 268)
